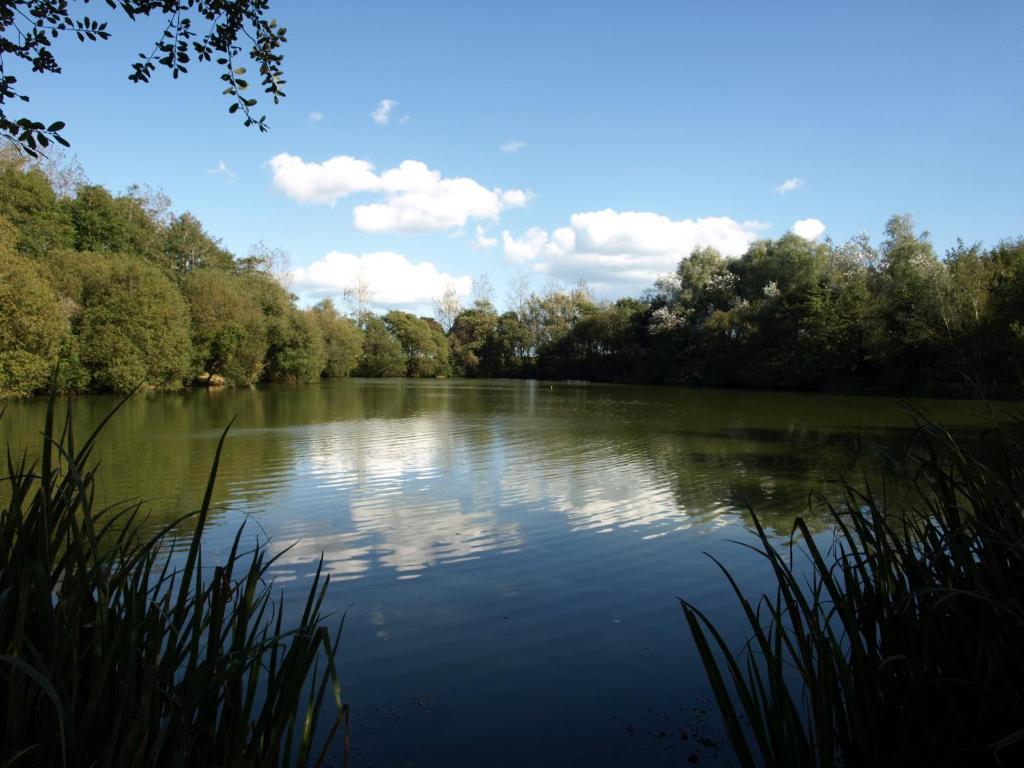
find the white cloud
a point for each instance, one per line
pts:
(514, 198)
(512, 146)
(789, 185)
(417, 199)
(421, 201)
(537, 245)
(482, 240)
(322, 182)
(613, 249)
(221, 169)
(405, 119)
(316, 117)
(382, 114)
(393, 280)
(808, 229)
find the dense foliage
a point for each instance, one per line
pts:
(789, 313)
(126, 292)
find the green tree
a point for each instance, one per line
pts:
(507, 350)
(97, 221)
(296, 350)
(843, 320)
(67, 270)
(188, 247)
(134, 327)
(229, 336)
(606, 344)
(343, 341)
(28, 201)
(551, 316)
(32, 326)
(788, 266)
(911, 285)
(143, 230)
(777, 284)
(970, 286)
(105, 223)
(908, 268)
(468, 336)
(705, 282)
(382, 356)
(425, 348)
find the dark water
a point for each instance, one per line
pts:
(509, 553)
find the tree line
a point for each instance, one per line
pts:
(788, 313)
(123, 291)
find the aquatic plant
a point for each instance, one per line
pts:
(121, 648)
(898, 642)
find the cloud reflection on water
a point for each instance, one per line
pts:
(433, 488)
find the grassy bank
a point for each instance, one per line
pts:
(899, 641)
(118, 648)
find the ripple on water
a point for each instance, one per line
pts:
(510, 549)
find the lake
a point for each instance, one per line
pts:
(509, 553)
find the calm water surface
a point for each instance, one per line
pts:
(509, 553)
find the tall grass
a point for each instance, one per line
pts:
(118, 648)
(901, 641)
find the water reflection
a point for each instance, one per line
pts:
(426, 489)
(403, 475)
(407, 476)
(510, 551)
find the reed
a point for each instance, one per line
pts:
(900, 640)
(119, 647)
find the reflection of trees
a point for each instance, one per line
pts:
(441, 471)
(159, 447)
(406, 474)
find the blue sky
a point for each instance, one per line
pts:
(645, 127)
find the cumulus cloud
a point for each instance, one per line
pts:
(808, 229)
(482, 240)
(432, 204)
(382, 114)
(611, 248)
(514, 198)
(324, 182)
(789, 185)
(392, 279)
(221, 169)
(538, 246)
(417, 199)
(316, 117)
(510, 147)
